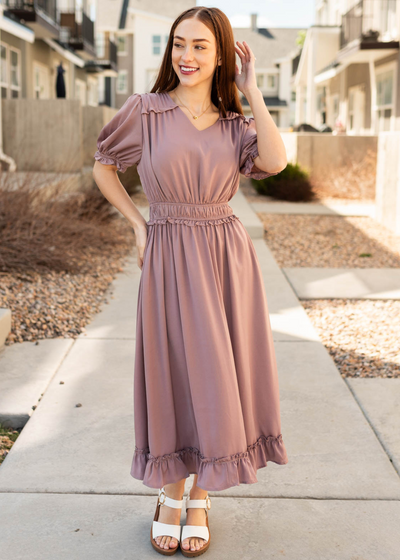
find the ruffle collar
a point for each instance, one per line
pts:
(160, 102)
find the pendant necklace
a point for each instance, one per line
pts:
(194, 116)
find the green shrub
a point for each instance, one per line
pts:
(291, 184)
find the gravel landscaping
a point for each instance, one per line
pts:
(56, 304)
(362, 336)
(48, 303)
(7, 440)
(330, 241)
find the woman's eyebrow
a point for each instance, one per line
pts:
(194, 40)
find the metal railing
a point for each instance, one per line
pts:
(76, 27)
(369, 20)
(106, 49)
(47, 6)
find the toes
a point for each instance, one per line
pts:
(185, 544)
(166, 542)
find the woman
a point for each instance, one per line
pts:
(206, 394)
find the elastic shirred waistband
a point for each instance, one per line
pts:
(190, 214)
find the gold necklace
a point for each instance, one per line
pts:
(194, 116)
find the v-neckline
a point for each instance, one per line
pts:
(187, 118)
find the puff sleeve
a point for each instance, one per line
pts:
(249, 151)
(120, 140)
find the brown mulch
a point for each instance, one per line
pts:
(7, 439)
(330, 241)
(362, 336)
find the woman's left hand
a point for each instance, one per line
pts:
(246, 80)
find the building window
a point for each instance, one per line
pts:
(271, 81)
(15, 78)
(41, 81)
(166, 39)
(100, 45)
(388, 19)
(384, 98)
(156, 44)
(260, 80)
(351, 110)
(10, 73)
(122, 81)
(4, 71)
(80, 91)
(356, 109)
(335, 107)
(321, 104)
(121, 44)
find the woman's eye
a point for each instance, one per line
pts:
(178, 45)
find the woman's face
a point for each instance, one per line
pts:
(194, 47)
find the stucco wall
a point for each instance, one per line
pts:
(388, 181)
(43, 134)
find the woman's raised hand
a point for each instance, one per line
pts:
(246, 78)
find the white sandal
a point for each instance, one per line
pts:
(199, 531)
(159, 529)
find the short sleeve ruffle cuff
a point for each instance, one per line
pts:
(120, 140)
(249, 151)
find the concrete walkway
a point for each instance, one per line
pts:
(327, 209)
(66, 481)
(360, 283)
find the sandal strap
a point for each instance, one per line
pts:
(165, 529)
(206, 503)
(199, 531)
(170, 502)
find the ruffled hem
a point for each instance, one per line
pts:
(107, 159)
(192, 223)
(213, 473)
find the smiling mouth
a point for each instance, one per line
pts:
(183, 70)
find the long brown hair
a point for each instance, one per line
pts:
(224, 92)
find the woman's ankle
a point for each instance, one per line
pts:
(175, 490)
(197, 493)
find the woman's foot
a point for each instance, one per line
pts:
(195, 516)
(170, 515)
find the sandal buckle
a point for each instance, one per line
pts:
(162, 493)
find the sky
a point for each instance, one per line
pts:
(271, 13)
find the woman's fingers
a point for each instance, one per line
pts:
(241, 52)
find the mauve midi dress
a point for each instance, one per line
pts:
(206, 395)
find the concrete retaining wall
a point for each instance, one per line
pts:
(318, 152)
(93, 119)
(52, 135)
(388, 181)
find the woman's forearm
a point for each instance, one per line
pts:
(271, 149)
(109, 184)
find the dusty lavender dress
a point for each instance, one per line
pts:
(206, 395)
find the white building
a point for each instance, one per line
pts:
(348, 72)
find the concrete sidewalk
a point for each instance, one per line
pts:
(66, 481)
(327, 209)
(360, 283)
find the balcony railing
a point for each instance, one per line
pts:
(76, 32)
(106, 50)
(26, 9)
(369, 20)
